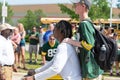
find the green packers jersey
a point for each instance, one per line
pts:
(49, 50)
(89, 67)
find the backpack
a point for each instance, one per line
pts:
(111, 50)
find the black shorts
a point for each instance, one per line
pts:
(117, 58)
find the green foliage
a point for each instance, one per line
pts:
(32, 19)
(99, 9)
(10, 13)
(29, 20)
(69, 11)
(38, 15)
(0, 12)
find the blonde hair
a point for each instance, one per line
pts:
(21, 27)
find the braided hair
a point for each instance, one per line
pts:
(65, 28)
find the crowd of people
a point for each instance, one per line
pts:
(110, 32)
(63, 48)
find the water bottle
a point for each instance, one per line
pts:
(102, 54)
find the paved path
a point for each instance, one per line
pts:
(111, 78)
(19, 76)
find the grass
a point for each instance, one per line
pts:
(31, 66)
(34, 66)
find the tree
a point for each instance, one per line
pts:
(99, 9)
(9, 15)
(38, 14)
(29, 20)
(32, 19)
(69, 11)
(118, 4)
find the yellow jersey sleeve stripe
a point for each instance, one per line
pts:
(86, 46)
(43, 53)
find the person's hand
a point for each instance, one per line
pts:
(28, 78)
(31, 72)
(118, 45)
(15, 46)
(31, 37)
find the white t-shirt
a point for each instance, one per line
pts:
(6, 52)
(41, 41)
(65, 63)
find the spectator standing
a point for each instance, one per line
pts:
(90, 69)
(110, 32)
(16, 43)
(48, 32)
(6, 52)
(22, 44)
(117, 59)
(65, 62)
(49, 49)
(41, 41)
(33, 46)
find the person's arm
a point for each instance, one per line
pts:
(35, 37)
(43, 57)
(32, 72)
(73, 42)
(14, 44)
(30, 35)
(38, 70)
(44, 67)
(24, 34)
(18, 39)
(58, 63)
(83, 44)
(118, 44)
(1, 57)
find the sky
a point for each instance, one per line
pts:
(28, 2)
(19, 2)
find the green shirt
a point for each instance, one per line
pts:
(49, 50)
(34, 41)
(89, 67)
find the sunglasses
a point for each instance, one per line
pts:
(52, 38)
(33, 29)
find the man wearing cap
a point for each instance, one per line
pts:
(6, 52)
(89, 67)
